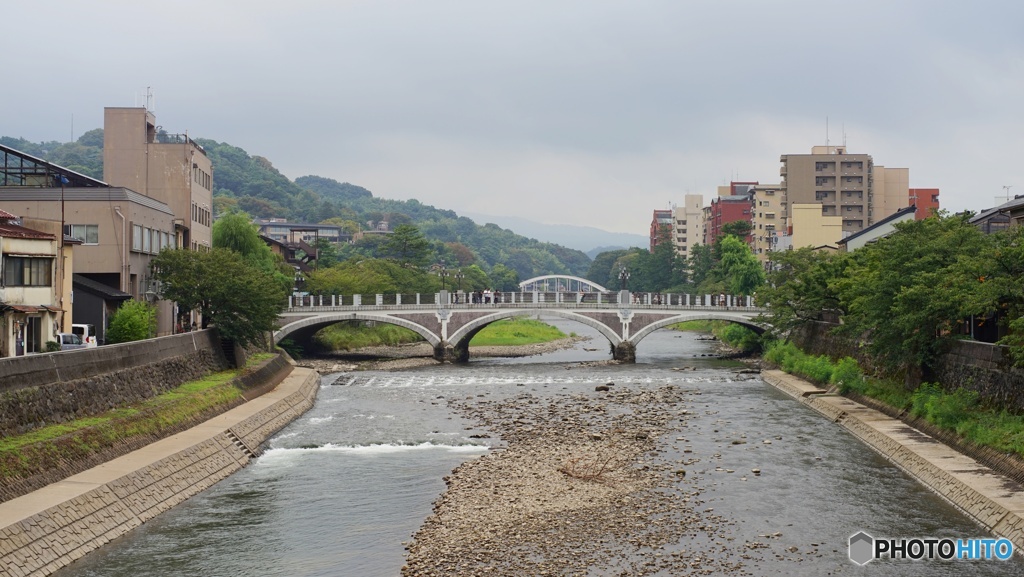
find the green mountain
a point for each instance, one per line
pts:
(252, 184)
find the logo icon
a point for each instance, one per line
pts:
(862, 548)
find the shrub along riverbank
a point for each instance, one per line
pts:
(959, 411)
(736, 336)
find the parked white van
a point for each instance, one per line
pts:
(85, 332)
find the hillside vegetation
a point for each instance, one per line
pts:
(252, 184)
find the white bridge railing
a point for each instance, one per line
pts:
(562, 299)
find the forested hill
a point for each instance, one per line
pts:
(252, 184)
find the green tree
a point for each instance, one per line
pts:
(701, 263)
(406, 245)
(237, 233)
(133, 321)
(737, 228)
(907, 292)
(504, 278)
(662, 268)
(799, 287)
(240, 299)
(996, 278)
(326, 253)
(740, 270)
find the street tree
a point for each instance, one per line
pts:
(799, 288)
(241, 300)
(907, 292)
(739, 268)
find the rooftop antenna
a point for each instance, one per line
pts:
(148, 96)
(1007, 189)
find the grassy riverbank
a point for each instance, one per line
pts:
(54, 446)
(959, 411)
(736, 336)
(511, 332)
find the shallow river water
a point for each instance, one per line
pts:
(339, 490)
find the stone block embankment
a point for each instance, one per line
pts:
(993, 500)
(48, 529)
(57, 387)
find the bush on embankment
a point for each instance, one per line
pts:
(735, 336)
(959, 411)
(65, 448)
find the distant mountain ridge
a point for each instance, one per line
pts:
(582, 238)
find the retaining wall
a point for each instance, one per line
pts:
(48, 540)
(46, 368)
(253, 383)
(51, 388)
(981, 367)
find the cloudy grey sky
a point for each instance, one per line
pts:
(587, 112)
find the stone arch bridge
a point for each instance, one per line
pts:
(448, 323)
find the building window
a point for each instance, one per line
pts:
(137, 237)
(146, 237)
(86, 233)
(27, 271)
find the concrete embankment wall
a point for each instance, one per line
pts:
(57, 387)
(991, 499)
(48, 529)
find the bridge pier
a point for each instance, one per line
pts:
(624, 352)
(447, 353)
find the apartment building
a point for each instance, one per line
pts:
(845, 185)
(169, 168)
(926, 200)
(767, 220)
(661, 220)
(687, 224)
(732, 204)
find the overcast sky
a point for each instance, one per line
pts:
(578, 112)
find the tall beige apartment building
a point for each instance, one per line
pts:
(688, 224)
(767, 219)
(169, 168)
(845, 185)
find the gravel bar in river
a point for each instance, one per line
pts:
(578, 488)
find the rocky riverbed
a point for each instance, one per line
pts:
(581, 486)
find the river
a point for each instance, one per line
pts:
(339, 490)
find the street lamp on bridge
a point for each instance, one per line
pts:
(442, 272)
(458, 276)
(624, 277)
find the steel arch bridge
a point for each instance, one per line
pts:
(623, 318)
(560, 282)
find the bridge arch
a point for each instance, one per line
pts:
(590, 286)
(466, 332)
(312, 324)
(697, 316)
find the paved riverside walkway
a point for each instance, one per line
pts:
(48, 528)
(993, 500)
